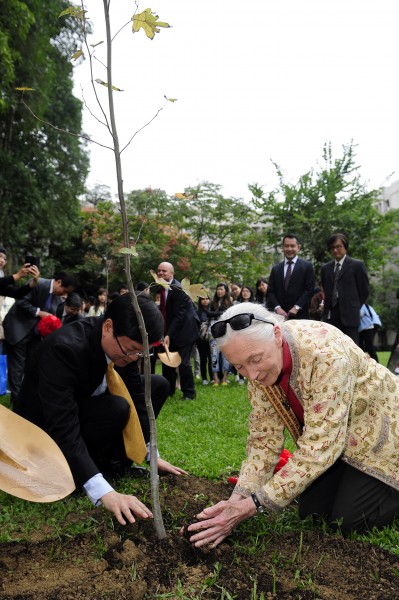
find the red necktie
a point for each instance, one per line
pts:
(288, 274)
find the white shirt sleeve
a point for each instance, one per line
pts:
(96, 487)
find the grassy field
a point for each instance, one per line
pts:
(207, 437)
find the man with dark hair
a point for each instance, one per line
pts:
(291, 282)
(66, 392)
(70, 310)
(346, 287)
(20, 323)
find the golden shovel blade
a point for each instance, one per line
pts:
(170, 359)
(32, 466)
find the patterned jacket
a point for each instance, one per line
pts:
(351, 411)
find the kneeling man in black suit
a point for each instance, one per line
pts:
(65, 392)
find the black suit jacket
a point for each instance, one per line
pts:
(353, 289)
(299, 291)
(21, 318)
(182, 322)
(65, 370)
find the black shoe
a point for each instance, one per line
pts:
(188, 397)
(118, 470)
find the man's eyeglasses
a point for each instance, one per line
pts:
(238, 322)
(133, 353)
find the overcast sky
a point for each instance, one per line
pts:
(256, 81)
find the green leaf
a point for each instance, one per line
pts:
(24, 89)
(131, 251)
(170, 99)
(149, 22)
(98, 43)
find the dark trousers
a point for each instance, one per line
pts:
(17, 356)
(335, 319)
(104, 417)
(350, 499)
(366, 342)
(185, 372)
(204, 350)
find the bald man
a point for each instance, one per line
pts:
(180, 332)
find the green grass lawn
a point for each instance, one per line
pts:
(207, 437)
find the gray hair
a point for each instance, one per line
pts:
(257, 330)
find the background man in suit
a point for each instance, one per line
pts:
(21, 320)
(291, 282)
(346, 287)
(180, 332)
(65, 392)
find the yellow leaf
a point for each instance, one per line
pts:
(195, 290)
(24, 89)
(180, 196)
(170, 99)
(77, 55)
(160, 280)
(73, 11)
(131, 251)
(149, 22)
(105, 84)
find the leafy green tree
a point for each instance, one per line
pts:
(325, 200)
(43, 169)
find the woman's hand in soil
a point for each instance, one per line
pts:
(220, 520)
(124, 506)
(164, 465)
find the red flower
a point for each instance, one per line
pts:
(48, 324)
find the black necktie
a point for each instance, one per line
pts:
(334, 295)
(288, 274)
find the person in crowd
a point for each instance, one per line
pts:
(123, 289)
(316, 307)
(235, 289)
(71, 310)
(367, 331)
(66, 392)
(246, 294)
(88, 302)
(346, 287)
(261, 291)
(8, 289)
(341, 409)
(7, 283)
(203, 344)
(180, 332)
(20, 323)
(143, 286)
(3, 260)
(291, 282)
(221, 302)
(100, 303)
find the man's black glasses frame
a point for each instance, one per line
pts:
(238, 322)
(133, 352)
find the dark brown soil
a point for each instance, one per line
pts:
(129, 563)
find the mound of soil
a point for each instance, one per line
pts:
(130, 563)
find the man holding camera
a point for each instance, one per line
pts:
(20, 324)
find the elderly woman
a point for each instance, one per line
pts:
(341, 408)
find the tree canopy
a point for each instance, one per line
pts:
(43, 169)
